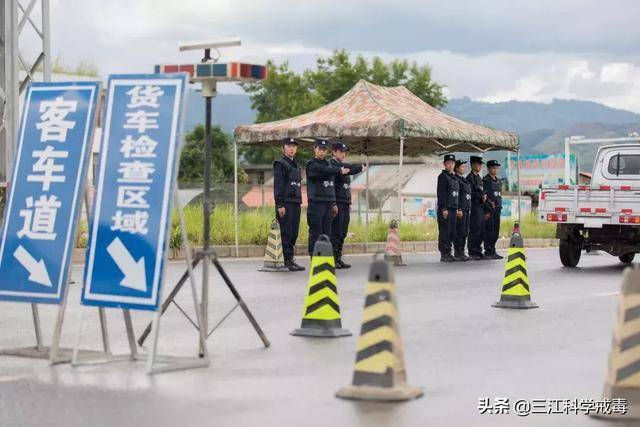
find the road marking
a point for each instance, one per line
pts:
(606, 294)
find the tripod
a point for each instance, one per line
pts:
(207, 255)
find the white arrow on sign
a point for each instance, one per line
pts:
(134, 273)
(37, 270)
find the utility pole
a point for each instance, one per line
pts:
(18, 67)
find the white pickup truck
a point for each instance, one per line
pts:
(604, 215)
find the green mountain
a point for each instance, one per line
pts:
(230, 110)
(524, 117)
(542, 127)
(554, 143)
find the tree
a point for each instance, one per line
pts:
(335, 75)
(282, 94)
(285, 94)
(192, 157)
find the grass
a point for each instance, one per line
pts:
(530, 228)
(253, 227)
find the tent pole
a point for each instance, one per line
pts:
(366, 195)
(567, 159)
(235, 195)
(518, 178)
(400, 179)
(509, 180)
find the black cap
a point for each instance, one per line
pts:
(475, 159)
(323, 143)
(448, 157)
(339, 146)
(289, 141)
(459, 162)
(492, 163)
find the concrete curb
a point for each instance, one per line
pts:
(255, 251)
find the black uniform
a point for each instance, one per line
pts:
(340, 224)
(448, 191)
(321, 196)
(287, 193)
(462, 224)
(476, 216)
(493, 187)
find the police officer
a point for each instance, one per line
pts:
(448, 193)
(321, 194)
(493, 186)
(288, 197)
(478, 204)
(340, 224)
(462, 217)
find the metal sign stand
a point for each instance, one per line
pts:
(155, 363)
(207, 255)
(54, 353)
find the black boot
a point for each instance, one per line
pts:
(295, 263)
(446, 258)
(340, 263)
(460, 256)
(292, 266)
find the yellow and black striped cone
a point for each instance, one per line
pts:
(321, 313)
(515, 285)
(273, 257)
(379, 372)
(623, 373)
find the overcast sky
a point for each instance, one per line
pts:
(492, 50)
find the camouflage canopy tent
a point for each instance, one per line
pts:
(377, 120)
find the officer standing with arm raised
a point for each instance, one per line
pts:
(321, 194)
(478, 205)
(493, 187)
(287, 183)
(464, 206)
(448, 189)
(340, 224)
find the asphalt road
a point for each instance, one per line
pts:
(457, 347)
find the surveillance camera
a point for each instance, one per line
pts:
(210, 44)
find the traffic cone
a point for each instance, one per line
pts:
(515, 285)
(321, 314)
(392, 251)
(623, 373)
(379, 372)
(273, 258)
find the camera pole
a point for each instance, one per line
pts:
(207, 254)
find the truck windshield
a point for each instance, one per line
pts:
(624, 164)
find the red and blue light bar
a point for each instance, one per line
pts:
(232, 71)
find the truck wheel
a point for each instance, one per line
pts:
(570, 251)
(627, 258)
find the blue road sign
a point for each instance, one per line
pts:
(41, 214)
(128, 237)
